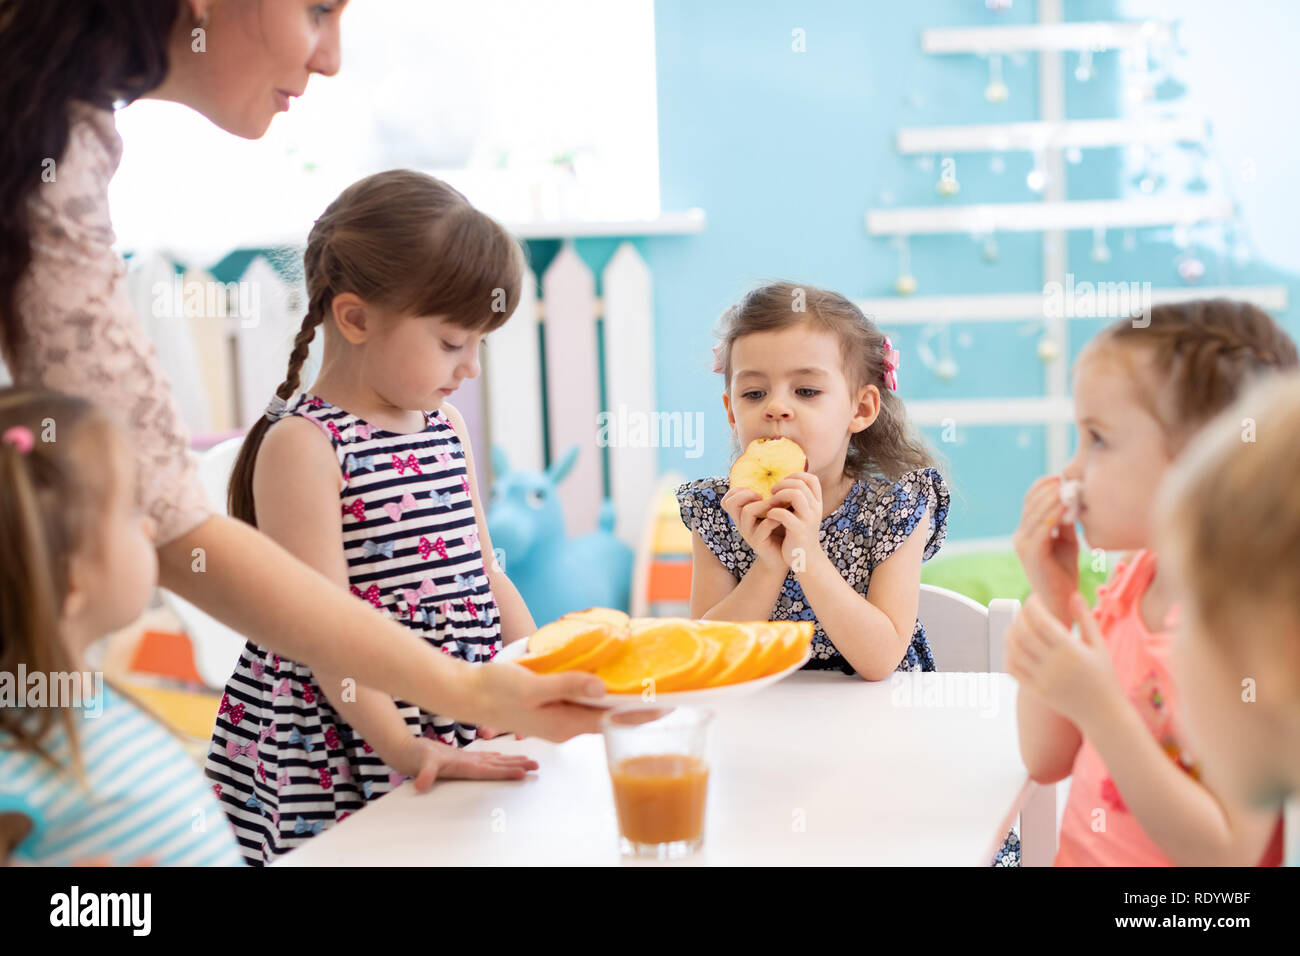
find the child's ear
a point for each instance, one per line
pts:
(351, 317)
(867, 410)
(77, 599)
(731, 416)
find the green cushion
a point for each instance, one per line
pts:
(985, 575)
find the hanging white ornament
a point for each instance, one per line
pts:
(947, 186)
(996, 91)
(1100, 251)
(1074, 155)
(1130, 240)
(1083, 71)
(990, 249)
(905, 284)
(1190, 268)
(945, 370)
(1037, 178)
(997, 165)
(1048, 349)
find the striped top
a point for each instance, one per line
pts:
(146, 797)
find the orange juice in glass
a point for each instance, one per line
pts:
(659, 770)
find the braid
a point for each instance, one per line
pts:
(302, 343)
(1206, 352)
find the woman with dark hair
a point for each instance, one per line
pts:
(66, 323)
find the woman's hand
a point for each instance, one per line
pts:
(532, 705)
(1076, 678)
(424, 761)
(796, 505)
(749, 511)
(1051, 562)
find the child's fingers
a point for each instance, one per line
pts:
(1043, 631)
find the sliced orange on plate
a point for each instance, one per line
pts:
(665, 654)
(561, 642)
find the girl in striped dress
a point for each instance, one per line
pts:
(368, 478)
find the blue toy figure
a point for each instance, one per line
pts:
(554, 574)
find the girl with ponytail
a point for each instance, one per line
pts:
(84, 773)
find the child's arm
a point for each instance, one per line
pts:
(1190, 824)
(1048, 742)
(1185, 820)
(296, 486)
(717, 596)
(516, 620)
(872, 632)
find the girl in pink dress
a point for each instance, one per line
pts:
(1101, 705)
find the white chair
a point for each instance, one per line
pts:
(966, 636)
(216, 647)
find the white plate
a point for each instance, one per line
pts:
(707, 695)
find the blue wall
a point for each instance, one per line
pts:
(786, 151)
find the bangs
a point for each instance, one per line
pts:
(474, 273)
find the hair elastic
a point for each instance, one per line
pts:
(20, 436)
(276, 407)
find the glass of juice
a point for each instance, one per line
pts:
(659, 769)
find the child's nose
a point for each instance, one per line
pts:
(776, 409)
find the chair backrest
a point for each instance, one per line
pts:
(964, 635)
(216, 647)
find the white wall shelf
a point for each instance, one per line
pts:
(1037, 216)
(669, 224)
(1020, 307)
(1096, 36)
(991, 411)
(1084, 134)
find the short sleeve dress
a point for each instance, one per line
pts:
(875, 518)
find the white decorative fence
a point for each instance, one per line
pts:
(225, 346)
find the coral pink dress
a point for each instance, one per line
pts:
(83, 337)
(1097, 828)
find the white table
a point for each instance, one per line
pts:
(819, 769)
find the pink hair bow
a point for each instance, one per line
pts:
(892, 358)
(719, 359)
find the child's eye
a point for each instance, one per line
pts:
(451, 346)
(322, 10)
(807, 392)
(752, 396)
(1096, 439)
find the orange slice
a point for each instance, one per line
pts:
(771, 647)
(795, 636)
(740, 654)
(559, 642)
(664, 654)
(602, 653)
(710, 660)
(616, 620)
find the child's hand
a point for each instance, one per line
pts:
(426, 760)
(749, 511)
(1050, 563)
(1076, 678)
(796, 505)
(483, 733)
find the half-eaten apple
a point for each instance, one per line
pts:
(765, 462)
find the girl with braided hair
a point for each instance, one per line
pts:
(1101, 704)
(368, 477)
